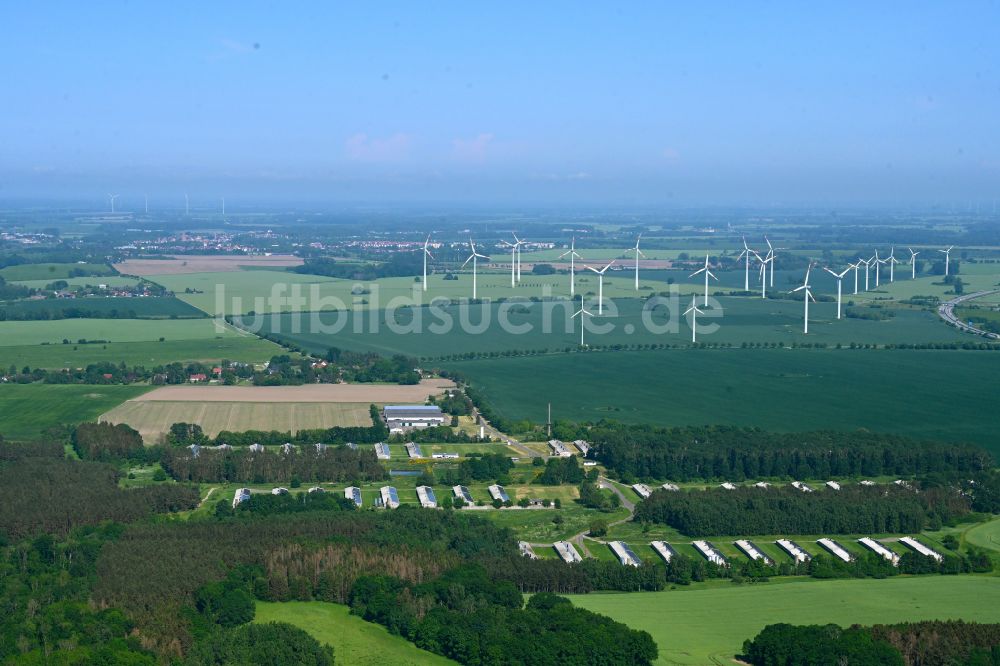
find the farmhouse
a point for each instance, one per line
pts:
(390, 498)
(664, 550)
(426, 496)
(382, 451)
(672, 487)
(879, 549)
(353, 493)
(582, 445)
(242, 495)
(497, 492)
(625, 554)
(794, 550)
(567, 552)
(462, 493)
(642, 490)
(413, 450)
(401, 418)
(835, 549)
(751, 551)
(913, 544)
(559, 449)
(710, 553)
(526, 550)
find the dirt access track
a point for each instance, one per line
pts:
(367, 393)
(204, 263)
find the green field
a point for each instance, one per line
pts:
(708, 625)
(551, 326)
(132, 308)
(355, 642)
(90, 281)
(132, 341)
(153, 418)
(50, 272)
(27, 410)
(946, 395)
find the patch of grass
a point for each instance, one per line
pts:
(131, 308)
(709, 624)
(355, 642)
(27, 410)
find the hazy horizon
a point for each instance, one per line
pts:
(775, 104)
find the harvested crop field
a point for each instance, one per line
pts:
(153, 418)
(178, 264)
(349, 393)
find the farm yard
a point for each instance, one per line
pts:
(686, 623)
(153, 418)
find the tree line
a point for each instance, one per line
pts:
(736, 453)
(854, 509)
(908, 644)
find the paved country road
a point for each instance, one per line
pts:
(947, 312)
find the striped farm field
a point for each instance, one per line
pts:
(153, 418)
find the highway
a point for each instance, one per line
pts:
(947, 312)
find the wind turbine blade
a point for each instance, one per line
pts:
(468, 260)
(692, 274)
(805, 286)
(712, 275)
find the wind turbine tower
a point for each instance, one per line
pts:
(806, 296)
(892, 263)
(518, 242)
(473, 257)
(600, 286)
(638, 253)
(947, 258)
(746, 271)
(708, 274)
(694, 312)
(112, 197)
(578, 313)
(840, 280)
(427, 253)
(913, 263)
(572, 266)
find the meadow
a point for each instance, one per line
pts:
(355, 642)
(153, 418)
(132, 341)
(948, 395)
(89, 281)
(50, 272)
(27, 410)
(708, 624)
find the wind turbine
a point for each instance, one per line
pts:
(600, 286)
(513, 260)
(806, 296)
(708, 274)
(857, 266)
(694, 312)
(427, 253)
(763, 271)
(473, 257)
(746, 272)
(518, 243)
(146, 199)
(572, 268)
(581, 311)
(913, 263)
(878, 268)
(840, 279)
(112, 197)
(223, 206)
(892, 263)
(772, 251)
(947, 258)
(638, 253)
(867, 263)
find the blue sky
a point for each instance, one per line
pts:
(742, 102)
